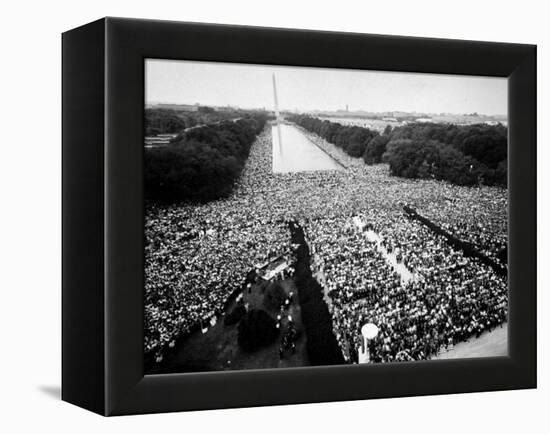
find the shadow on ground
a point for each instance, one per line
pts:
(51, 391)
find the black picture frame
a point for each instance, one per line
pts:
(103, 221)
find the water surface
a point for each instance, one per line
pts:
(294, 152)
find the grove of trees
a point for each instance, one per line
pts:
(375, 149)
(162, 121)
(431, 159)
(460, 154)
(486, 143)
(352, 139)
(203, 163)
(172, 121)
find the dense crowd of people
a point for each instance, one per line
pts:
(195, 259)
(197, 255)
(487, 231)
(451, 298)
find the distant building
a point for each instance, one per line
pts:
(424, 120)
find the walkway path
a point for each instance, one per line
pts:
(391, 258)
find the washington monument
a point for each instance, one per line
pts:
(275, 98)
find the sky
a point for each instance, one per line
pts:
(306, 89)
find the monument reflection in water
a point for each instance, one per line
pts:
(292, 150)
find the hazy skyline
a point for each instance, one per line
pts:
(307, 89)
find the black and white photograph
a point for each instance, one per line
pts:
(299, 216)
(231, 217)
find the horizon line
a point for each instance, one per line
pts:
(328, 110)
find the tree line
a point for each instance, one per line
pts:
(203, 163)
(460, 154)
(352, 139)
(172, 121)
